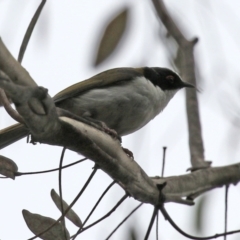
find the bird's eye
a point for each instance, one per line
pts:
(170, 79)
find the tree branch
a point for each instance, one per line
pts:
(186, 65)
(194, 184)
(13, 68)
(40, 115)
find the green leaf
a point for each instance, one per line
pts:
(112, 36)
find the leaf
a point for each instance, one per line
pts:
(37, 224)
(8, 167)
(112, 36)
(30, 30)
(200, 208)
(132, 234)
(71, 215)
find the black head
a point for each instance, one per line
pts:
(165, 78)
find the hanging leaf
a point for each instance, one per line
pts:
(8, 167)
(112, 36)
(200, 208)
(30, 30)
(37, 224)
(132, 234)
(71, 215)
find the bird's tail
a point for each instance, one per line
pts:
(12, 134)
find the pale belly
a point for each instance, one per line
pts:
(123, 108)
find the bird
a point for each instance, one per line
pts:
(122, 99)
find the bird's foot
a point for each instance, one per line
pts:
(111, 132)
(128, 152)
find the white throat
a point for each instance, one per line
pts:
(157, 96)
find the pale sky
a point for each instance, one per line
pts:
(60, 53)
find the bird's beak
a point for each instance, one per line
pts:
(188, 85)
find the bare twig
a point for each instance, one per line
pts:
(167, 217)
(17, 174)
(98, 201)
(105, 216)
(186, 67)
(60, 190)
(29, 31)
(226, 211)
(163, 161)
(155, 210)
(157, 223)
(124, 220)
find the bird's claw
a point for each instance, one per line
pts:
(128, 152)
(111, 132)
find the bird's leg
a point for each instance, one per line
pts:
(90, 121)
(105, 128)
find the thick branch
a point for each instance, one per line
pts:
(186, 66)
(194, 184)
(40, 115)
(13, 68)
(107, 152)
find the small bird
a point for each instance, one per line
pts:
(124, 99)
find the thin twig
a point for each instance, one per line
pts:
(99, 200)
(155, 210)
(226, 210)
(29, 31)
(102, 218)
(71, 205)
(163, 161)
(18, 174)
(157, 225)
(60, 189)
(174, 225)
(167, 20)
(124, 220)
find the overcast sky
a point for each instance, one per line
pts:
(61, 52)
